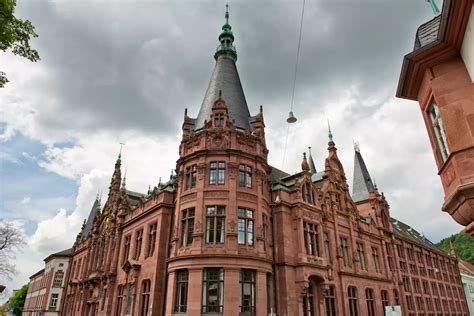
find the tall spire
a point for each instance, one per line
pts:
(311, 162)
(331, 142)
(116, 176)
(225, 78)
(363, 183)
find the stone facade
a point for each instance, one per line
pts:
(439, 74)
(229, 234)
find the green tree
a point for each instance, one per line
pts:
(15, 34)
(17, 300)
(463, 246)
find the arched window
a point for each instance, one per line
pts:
(353, 301)
(369, 297)
(145, 298)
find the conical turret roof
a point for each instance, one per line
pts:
(363, 184)
(225, 78)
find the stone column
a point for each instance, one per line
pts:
(194, 292)
(261, 293)
(170, 293)
(231, 292)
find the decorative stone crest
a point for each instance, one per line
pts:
(231, 227)
(218, 139)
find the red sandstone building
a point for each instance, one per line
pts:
(232, 235)
(439, 74)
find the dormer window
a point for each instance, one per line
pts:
(218, 120)
(307, 193)
(438, 130)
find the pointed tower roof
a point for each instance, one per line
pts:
(225, 78)
(363, 184)
(312, 167)
(90, 220)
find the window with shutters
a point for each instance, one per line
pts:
(58, 278)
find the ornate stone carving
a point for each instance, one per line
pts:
(218, 139)
(231, 227)
(198, 228)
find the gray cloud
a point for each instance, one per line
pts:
(123, 65)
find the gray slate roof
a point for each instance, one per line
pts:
(362, 181)
(225, 78)
(427, 33)
(408, 232)
(90, 219)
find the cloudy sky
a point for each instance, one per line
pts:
(124, 71)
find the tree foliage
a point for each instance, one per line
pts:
(17, 300)
(11, 240)
(15, 34)
(463, 246)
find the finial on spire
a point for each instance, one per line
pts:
(356, 146)
(309, 150)
(329, 133)
(227, 13)
(375, 185)
(304, 163)
(124, 180)
(120, 152)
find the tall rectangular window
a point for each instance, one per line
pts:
(247, 291)
(245, 176)
(126, 249)
(145, 298)
(138, 243)
(311, 239)
(213, 290)
(361, 256)
(181, 294)
(353, 301)
(151, 239)
(327, 247)
(330, 301)
(388, 248)
(245, 226)
(308, 302)
(215, 224)
(369, 297)
(345, 251)
(130, 298)
(375, 258)
(190, 177)
(217, 172)
(218, 119)
(400, 251)
(187, 227)
(438, 129)
(53, 303)
(384, 296)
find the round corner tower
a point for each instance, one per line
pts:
(221, 231)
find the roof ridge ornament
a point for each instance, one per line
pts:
(330, 136)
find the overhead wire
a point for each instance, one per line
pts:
(294, 82)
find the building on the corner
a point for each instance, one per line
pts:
(439, 74)
(46, 287)
(230, 235)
